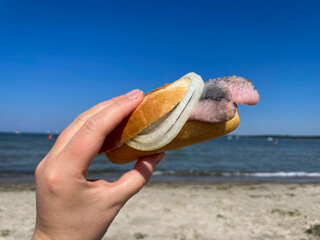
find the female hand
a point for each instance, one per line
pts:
(68, 205)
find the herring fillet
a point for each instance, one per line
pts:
(169, 128)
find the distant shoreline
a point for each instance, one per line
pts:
(275, 136)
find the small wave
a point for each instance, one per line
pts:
(157, 173)
(268, 174)
(284, 174)
(239, 174)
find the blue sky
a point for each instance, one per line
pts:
(59, 58)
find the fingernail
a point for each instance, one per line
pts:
(134, 94)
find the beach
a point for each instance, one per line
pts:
(186, 210)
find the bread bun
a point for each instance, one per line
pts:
(155, 105)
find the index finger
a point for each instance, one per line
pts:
(66, 135)
(86, 143)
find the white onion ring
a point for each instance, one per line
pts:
(168, 128)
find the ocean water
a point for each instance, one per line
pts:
(219, 160)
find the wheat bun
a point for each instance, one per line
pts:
(155, 105)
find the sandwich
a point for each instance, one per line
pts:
(185, 112)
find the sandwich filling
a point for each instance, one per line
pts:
(217, 102)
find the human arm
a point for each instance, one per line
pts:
(68, 205)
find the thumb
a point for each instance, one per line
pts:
(131, 182)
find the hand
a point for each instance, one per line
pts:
(68, 205)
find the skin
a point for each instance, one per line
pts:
(68, 205)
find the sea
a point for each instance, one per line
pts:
(228, 159)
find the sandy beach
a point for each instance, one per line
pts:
(186, 211)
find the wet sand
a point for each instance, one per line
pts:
(184, 211)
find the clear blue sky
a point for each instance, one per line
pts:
(59, 58)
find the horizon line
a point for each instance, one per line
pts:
(275, 135)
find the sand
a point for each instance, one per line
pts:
(186, 211)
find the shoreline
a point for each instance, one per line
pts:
(113, 176)
(20, 185)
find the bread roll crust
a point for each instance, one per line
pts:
(193, 132)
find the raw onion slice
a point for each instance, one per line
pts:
(168, 122)
(155, 137)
